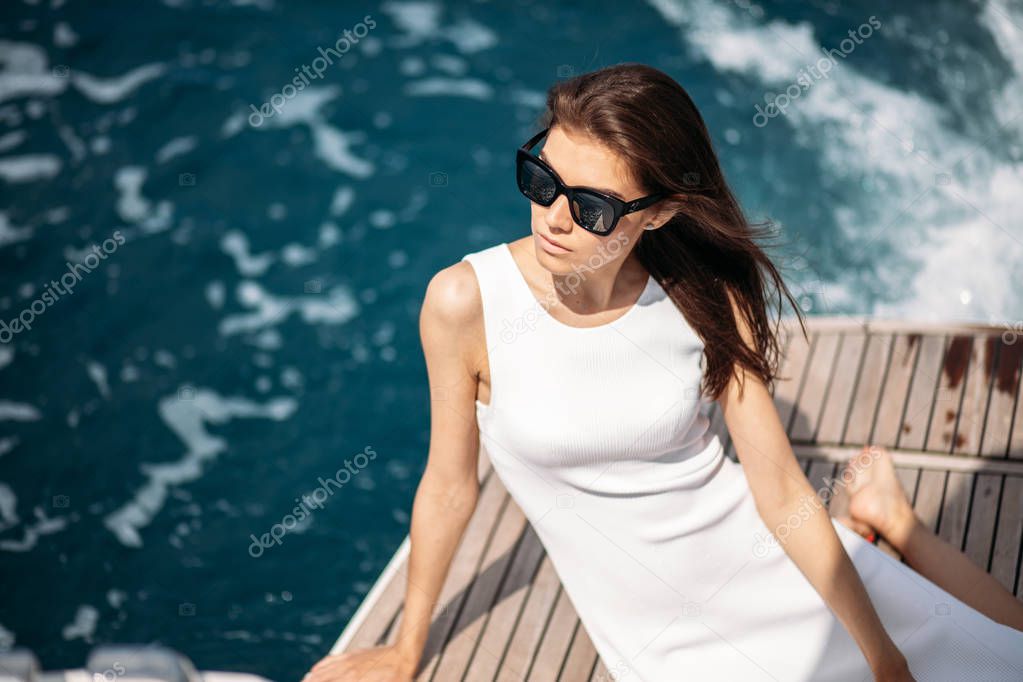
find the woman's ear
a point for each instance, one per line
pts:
(665, 210)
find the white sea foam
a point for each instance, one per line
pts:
(136, 209)
(11, 234)
(8, 507)
(215, 294)
(26, 72)
(12, 139)
(341, 201)
(330, 235)
(452, 87)
(331, 145)
(29, 168)
(236, 244)
(64, 35)
(7, 639)
(336, 307)
(18, 412)
(83, 626)
(116, 88)
(297, 255)
(98, 374)
(187, 414)
(116, 598)
(43, 525)
(936, 193)
(421, 22)
(176, 147)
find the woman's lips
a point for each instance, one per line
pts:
(551, 246)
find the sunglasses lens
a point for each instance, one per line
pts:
(593, 213)
(536, 183)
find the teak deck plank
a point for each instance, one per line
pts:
(870, 383)
(458, 651)
(582, 656)
(557, 638)
(815, 387)
(839, 398)
(920, 403)
(948, 399)
(499, 627)
(905, 349)
(969, 427)
(1006, 555)
(1004, 389)
(944, 399)
(529, 630)
(980, 534)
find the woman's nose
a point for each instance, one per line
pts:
(558, 214)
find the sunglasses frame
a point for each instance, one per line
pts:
(619, 208)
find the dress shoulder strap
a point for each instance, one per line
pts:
(497, 288)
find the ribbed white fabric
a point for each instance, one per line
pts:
(600, 436)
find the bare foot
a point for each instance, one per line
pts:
(876, 500)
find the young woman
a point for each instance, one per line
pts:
(583, 358)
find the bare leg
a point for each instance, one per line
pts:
(877, 502)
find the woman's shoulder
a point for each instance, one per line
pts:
(453, 295)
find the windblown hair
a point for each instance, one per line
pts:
(708, 252)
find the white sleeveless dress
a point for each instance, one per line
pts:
(601, 437)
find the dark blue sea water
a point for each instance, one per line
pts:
(222, 306)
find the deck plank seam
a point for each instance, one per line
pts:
(881, 391)
(462, 597)
(855, 387)
(989, 393)
(519, 547)
(828, 385)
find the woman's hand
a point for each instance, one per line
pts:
(376, 664)
(893, 668)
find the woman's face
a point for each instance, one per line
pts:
(581, 162)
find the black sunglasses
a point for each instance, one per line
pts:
(594, 211)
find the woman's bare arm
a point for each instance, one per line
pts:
(451, 329)
(781, 490)
(447, 494)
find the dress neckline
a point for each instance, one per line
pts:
(650, 283)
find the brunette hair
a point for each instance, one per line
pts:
(707, 253)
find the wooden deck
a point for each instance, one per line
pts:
(945, 399)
